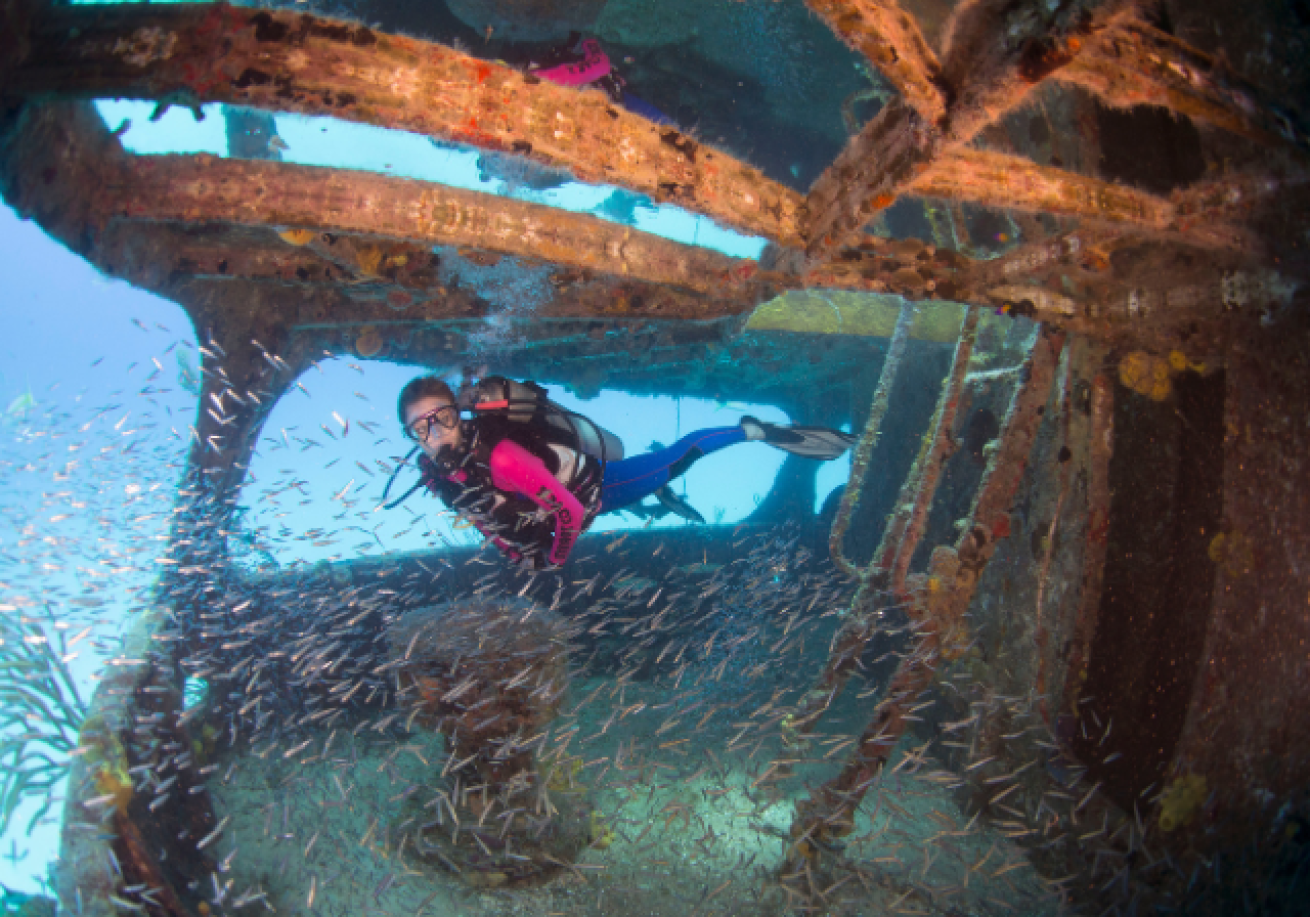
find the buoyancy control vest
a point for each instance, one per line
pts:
(573, 448)
(527, 407)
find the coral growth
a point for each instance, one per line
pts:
(369, 343)
(298, 236)
(1181, 802)
(1152, 375)
(489, 675)
(115, 781)
(1232, 553)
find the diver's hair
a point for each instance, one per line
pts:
(419, 388)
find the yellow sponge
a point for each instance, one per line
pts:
(1181, 802)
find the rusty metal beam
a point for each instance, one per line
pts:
(306, 289)
(1015, 183)
(195, 188)
(1003, 180)
(867, 176)
(60, 165)
(890, 38)
(284, 61)
(150, 255)
(996, 52)
(1136, 64)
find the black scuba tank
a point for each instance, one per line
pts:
(527, 403)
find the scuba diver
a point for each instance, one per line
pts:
(532, 476)
(583, 64)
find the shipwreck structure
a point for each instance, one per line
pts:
(1149, 413)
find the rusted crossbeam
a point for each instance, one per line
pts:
(150, 255)
(1003, 180)
(60, 165)
(1136, 64)
(995, 53)
(875, 167)
(403, 286)
(195, 188)
(284, 61)
(890, 38)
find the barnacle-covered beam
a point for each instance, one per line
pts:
(873, 169)
(1013, 182)
(890, 38)
(371, 259)
(1003, 180)
(252, 192)
(1137, 64)
(358, 280)
(1234, 196)
(296, 62)
(151, 255)
(996, 52)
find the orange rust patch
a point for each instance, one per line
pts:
(482, 71)
(882, 201)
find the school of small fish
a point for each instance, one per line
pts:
(303, 747)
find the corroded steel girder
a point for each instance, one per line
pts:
(156, 221)
(61, 166)
(150, 255)
(310, 65)
(1136, 64)
(321, 280)
(890, 38)
(996, 52)
(272, 193)
(874, 168)
(1002, 180)
(284, 61)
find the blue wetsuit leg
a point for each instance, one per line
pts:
(641, 107)
(633, 479)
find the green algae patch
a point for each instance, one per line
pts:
(859, 314)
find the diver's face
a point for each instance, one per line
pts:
(437, 435)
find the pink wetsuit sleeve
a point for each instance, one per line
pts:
(517, 470)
